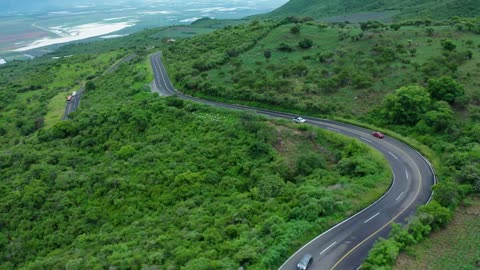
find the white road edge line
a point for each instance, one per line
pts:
(393, 155)
(367, 140)
(371, 217)
(344, 221)
(331, 245)
(333, 129)
(399, 196)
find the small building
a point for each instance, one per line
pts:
(2, 61)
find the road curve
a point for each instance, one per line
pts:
(346, 245)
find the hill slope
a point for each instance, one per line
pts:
(405, 9)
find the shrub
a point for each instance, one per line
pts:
(305, 44)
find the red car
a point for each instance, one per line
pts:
(377, 134)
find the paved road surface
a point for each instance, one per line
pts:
(72, 105)
(346, 245)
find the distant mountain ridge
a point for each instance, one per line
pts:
(404, 9)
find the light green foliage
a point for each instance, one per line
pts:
(406, 105)
(401, 235)
(435, 215)
(382, 255)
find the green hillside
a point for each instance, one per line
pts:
(387, 9)
(137, 181)
(416, 78)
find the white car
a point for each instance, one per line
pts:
(299, 120)
(74, 93)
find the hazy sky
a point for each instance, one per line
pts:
(28, 5)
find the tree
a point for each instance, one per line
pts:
(447, 193)
(430, 31)
(445, 88)
(439, 215)
(283, 47)
(306, 43)
(395, 27)
(383, 254)
(441, 118)
(413, 52)
(406, 105)
(448, 45)
(90, 85)
(295, 29)
(267, 54)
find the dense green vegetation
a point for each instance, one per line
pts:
(321, 69)
(441, 251)
(134, 180)
(414, 77)
(387, 9)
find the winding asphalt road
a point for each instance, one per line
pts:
(346, 245)
(73, 104)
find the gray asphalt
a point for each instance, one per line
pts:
(73, 105)
(346, 245)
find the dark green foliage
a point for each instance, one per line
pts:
(395, 27)
(445, 88)
(470, 174)
(448, 45)
(430, 31)
(441, 118)
(295, 29)
(447, 193)
(90, 85)
(267, 54)
(305, 44)
(284, 47)
(371, 25)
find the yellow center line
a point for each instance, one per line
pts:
(389, 222)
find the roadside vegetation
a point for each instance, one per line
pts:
(415, 78)
(133, 179)
(454, 247)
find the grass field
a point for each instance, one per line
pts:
(365, 75)
(456, 247)
(56, 108)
